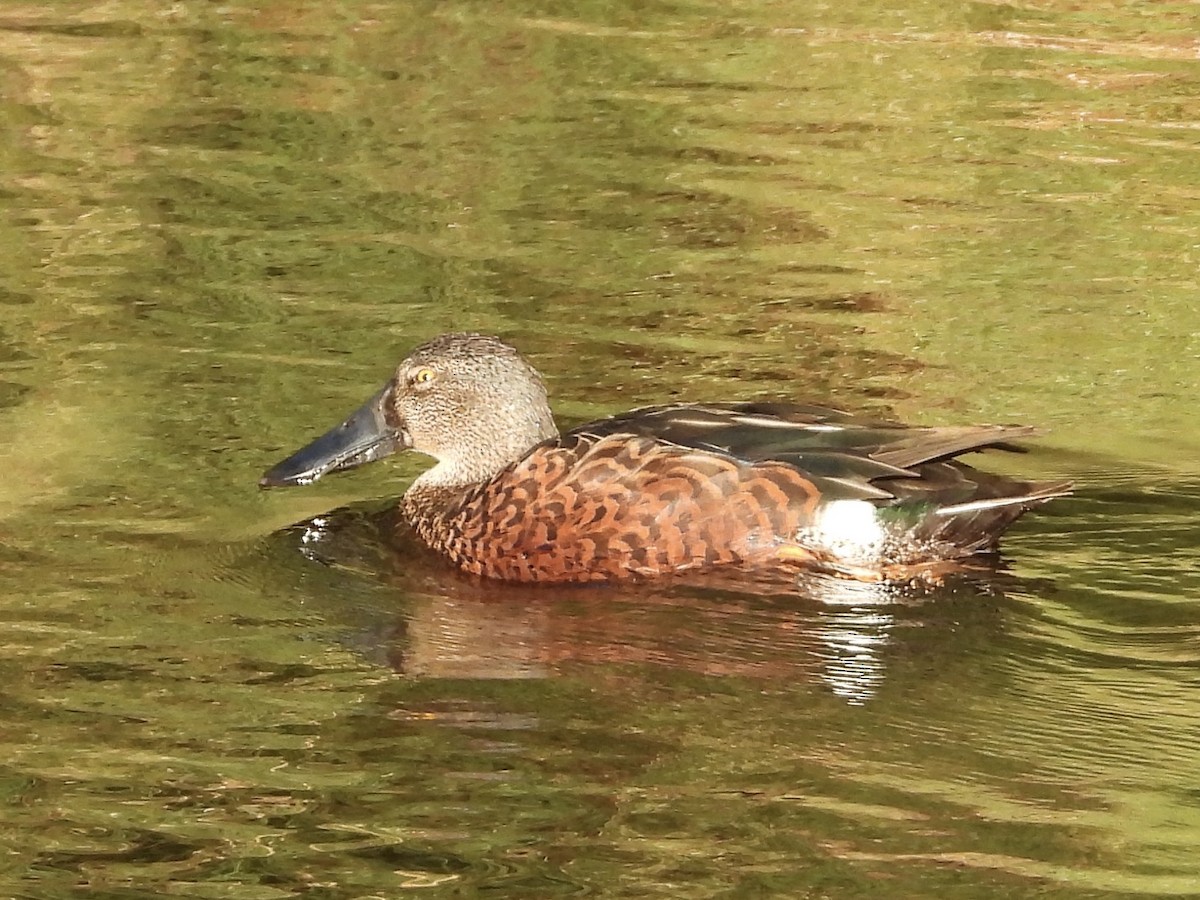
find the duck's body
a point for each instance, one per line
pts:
(666, 489)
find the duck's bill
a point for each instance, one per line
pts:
(364, 437)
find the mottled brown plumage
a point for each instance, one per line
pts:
(588, 508)
(665, 489)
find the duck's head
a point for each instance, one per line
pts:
(468, 400)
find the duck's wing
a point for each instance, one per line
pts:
(803, 437)
(821, 441)
(845, 456)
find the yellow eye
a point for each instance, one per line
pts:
(424, 375)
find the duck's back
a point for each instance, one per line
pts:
(687, 487)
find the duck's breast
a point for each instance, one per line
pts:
(620, 506)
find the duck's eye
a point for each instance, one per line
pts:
(423, 375)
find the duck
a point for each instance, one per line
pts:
(669, 489)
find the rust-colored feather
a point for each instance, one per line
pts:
(601, 508)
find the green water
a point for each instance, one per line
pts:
(222, 224)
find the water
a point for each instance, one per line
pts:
(222, 225)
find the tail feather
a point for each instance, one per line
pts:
(1039, 493)
(975, 526)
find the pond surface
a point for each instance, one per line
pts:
(222, 224)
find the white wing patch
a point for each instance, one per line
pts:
(847, 529)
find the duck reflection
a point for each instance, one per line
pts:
(423, 620)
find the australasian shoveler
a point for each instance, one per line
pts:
(665, 489)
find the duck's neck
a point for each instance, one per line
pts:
(436, 490)
(486, 445)
(429, 499)
(478, 451)
(437, 493)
